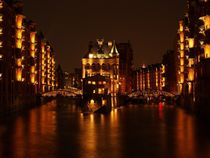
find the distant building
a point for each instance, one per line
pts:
(60, 78)
(125, 67)
(151, 77)
(102, 58)
(170, 68)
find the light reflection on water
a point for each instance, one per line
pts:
(61, 130)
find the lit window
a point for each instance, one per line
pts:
(1, 56)
(1, 44)
(1, 75)
(1, 18)
(89, 82)
(1, 5)
(93, 82)
(1, 31)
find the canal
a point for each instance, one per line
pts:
(60, 130)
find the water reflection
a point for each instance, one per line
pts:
(60, 130)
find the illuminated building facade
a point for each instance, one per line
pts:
(19, 58)
(103, 59)
(151, 77)
(193, 53)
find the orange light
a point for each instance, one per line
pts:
(18, 43)
(33, 37)
(19, 33)
(19, 62)
(19, 74)
(207, 50)
(32, 78)
(19, 21)
(191, 75)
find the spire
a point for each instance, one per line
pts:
(114, 51)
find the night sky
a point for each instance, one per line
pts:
(149, 25)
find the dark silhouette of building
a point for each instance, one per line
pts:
(170, 71)
(60, 78)
(125, 67)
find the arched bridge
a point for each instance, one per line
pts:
(150, 93)
(70, 92)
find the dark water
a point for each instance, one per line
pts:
(52, 131)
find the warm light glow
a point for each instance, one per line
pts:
(182, 78)
(33, 37)
(206, 20)
(33, 69)
(189, 87)
(1, 31)
(19, 62)
(104, 102)
(181, 37)
(1, 5)
(32, 46)
(19, 21)
(33, 53)
(191, 75)
(89, 82)
(92, 101)
(90, 55)
(191, 42)
(207, 50)
(181, 27)
(18, 43)
(43, 80)
(1, 18)
(32, 78)
(190, 62)
(182, 46)
(19, 74)
(93, 82)
(182, 62)
(19, 33)
(181, 54)
(181, 68)
(43, 49)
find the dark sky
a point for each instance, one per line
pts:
(149, 25)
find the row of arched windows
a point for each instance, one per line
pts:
(97, 66)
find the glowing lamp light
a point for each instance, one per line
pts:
(91, 56)
(92, 101)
